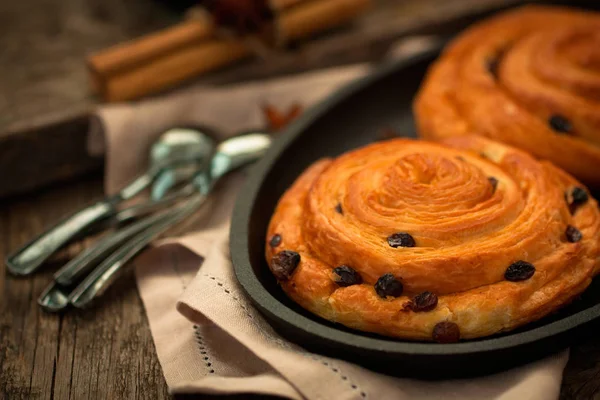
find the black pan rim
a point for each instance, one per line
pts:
(265, 301)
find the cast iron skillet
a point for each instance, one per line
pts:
(353, 117)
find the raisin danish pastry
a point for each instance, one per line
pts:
(434, 241)
(529, 78)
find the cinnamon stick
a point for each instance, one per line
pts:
(191, 48)
(172, 69)
(130, 54)
(310, 17)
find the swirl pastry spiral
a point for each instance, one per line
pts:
(434, 241)
(529, 78)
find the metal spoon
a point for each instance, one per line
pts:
(55, 296)
(230, 155)
(175, 148)
(170, 177)
(80, 265)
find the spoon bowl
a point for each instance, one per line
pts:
(180, 144)
(238, 151)
(179, 153)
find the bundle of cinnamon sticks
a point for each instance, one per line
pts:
(203, 43)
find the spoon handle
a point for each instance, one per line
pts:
(31, 256)
(106, 273)
(90, 257)
(151, 206)
(55, 297)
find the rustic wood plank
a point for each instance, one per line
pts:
(44, 43)
(34, 162)
(45, 96)
(104, 352)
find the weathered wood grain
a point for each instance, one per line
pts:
(44, 43)
(34, 162)
(44, 88)
(105, 352)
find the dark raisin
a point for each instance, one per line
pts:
(401, 239)
(388, 285)
(275, 240)
(492, 64)
(494, 183)
(576, 197)
(560, 123)
(446, 332)
(338, 209)
(579, 195)
(284, 263)
(346, 276)
(573, 234)
(425, 301)
(519, 271)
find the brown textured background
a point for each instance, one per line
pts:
(44, 89)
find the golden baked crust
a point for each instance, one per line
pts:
(468, 229)
(529, 78)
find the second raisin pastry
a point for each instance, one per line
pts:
(529, 78)
(429, 241)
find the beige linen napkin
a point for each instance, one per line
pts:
(208, 337)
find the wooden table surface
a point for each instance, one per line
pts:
(104, 352)
(107, 351)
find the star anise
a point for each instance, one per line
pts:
(244, 16)
(277, 120)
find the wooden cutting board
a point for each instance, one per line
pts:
(45, 100)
